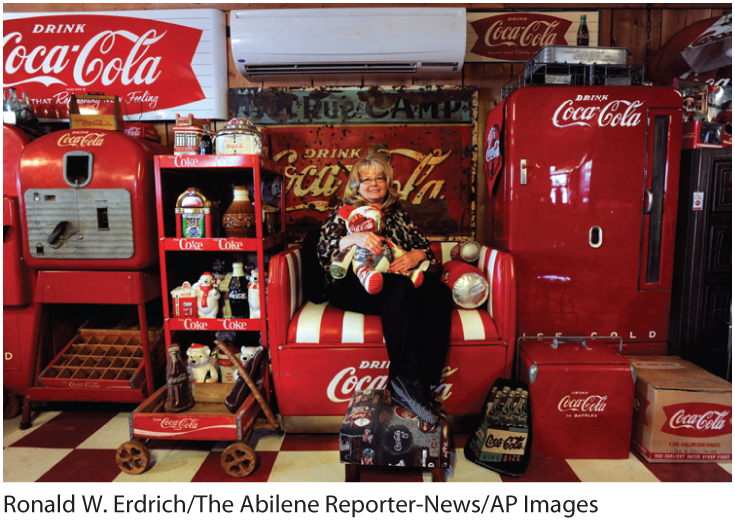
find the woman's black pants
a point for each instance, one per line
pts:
(415, 321)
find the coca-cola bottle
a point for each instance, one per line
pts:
(177, 382)
(583, 33)
(239, 305)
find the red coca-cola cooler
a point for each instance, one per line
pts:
(583, 185)
(582, 392)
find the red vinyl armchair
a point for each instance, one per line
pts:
(321, 355)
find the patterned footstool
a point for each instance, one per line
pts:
(376, 431)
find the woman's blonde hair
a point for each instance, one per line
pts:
(378, 165)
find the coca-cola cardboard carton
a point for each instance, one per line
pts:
(682, 413)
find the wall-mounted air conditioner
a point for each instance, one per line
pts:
(277, 42)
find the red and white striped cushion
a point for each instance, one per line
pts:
(325, 324)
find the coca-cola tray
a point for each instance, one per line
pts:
(102, 359)
(209, 419)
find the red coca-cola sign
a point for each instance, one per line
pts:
(698, 420)
(518, 36)
(146, 63)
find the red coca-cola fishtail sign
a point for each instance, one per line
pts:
(518, 36)
(146, 63)
(698, 420)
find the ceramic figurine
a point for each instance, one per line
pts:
(201, 369)
(207, 296)
(254, 295)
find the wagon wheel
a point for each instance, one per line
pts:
(133, 457)
(11, 404)
(239, 460)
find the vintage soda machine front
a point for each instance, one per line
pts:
(583, 184)
(88, 201)
(87, 214)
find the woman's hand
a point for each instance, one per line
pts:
(369, 240)
(407, 261)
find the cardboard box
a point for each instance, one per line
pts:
(681, 413)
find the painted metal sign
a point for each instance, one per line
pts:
(159, 63)
(517, 36)
(318, 134)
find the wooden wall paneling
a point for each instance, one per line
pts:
(629, 31)
(605, 27)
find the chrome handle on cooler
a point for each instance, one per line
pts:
(649, 202)
(524, 172)
(595, 236)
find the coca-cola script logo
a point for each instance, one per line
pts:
(598, 110)
(697, 420)
(145, 62)
(180, 424)
(517, 36)
(81, 138)
(579, 402)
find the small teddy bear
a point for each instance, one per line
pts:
(369, 267)
(201, 368)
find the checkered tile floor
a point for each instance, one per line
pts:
(79, 445)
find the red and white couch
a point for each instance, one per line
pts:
(321, 355)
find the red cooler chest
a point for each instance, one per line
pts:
(582, 393)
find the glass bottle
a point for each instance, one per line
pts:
(239, 219)
(583, 33)
(205, 144)
(178, 387)
(239, 306)
(29, 114)
(13, 104)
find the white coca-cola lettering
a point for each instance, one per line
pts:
(367, 226)
(234, 325)
(230, 245)
(195, 325)
(226, 161)
(134, 69)
(186, 161)
(345, 383)
(81, 139)
(493, 146)
(179, 424)
(591, 403)
(133, 131)
(84, 385)
(617, 113)
(536, 34)
(711, 420)
(189, 245)
(59, 28)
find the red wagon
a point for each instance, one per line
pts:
(209, 419)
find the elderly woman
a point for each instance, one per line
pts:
(416, 321)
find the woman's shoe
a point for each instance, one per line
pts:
(407, 393)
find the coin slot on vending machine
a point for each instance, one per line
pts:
(103, 222)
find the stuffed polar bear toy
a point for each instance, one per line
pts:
(369, 267)
(201, 368)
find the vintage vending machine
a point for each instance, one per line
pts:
(582, 162)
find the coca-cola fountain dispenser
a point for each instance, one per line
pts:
(87, 210)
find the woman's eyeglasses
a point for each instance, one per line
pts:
(377, 180)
